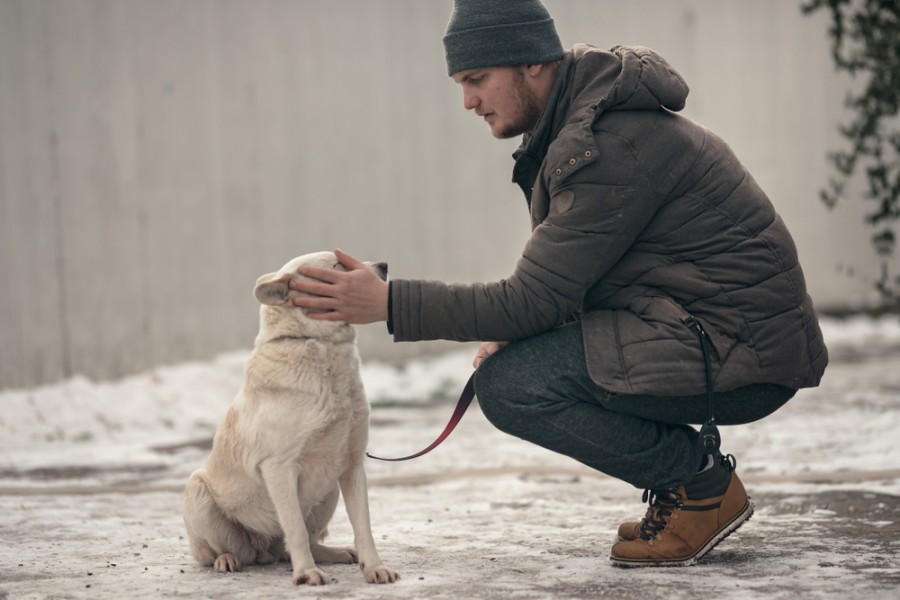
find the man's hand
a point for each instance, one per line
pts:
(356, 295)
(485, 350)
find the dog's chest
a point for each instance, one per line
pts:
(312, 397)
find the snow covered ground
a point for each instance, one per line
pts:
(91, 472)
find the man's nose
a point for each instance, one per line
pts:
(470, 101)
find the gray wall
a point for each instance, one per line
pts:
(157, 156)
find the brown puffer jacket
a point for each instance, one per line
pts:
(640, 218)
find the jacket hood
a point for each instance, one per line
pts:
(592, 81)
(628, 77)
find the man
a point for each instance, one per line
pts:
(653, 252)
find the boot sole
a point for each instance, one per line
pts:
(742, 517)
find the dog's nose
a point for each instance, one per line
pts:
(381, 269)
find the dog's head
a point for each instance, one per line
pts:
(278, 315)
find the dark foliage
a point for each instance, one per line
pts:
(865, 42)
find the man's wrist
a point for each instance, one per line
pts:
(390, 308)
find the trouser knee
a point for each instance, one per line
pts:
(493, 392)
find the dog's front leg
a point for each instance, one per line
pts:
(356, 498)
(281, 483)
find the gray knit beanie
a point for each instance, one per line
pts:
(494, 33)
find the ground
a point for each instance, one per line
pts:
(489, 516)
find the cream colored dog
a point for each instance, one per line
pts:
(294, 436)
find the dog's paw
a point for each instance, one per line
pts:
(380, 574)
(311, 576)
(227, 563)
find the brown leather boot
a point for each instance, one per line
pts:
(678, 530)
(631, 530)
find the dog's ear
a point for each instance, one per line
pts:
(272, 290)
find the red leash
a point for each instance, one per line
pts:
(465, 399)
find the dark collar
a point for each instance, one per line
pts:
(530, 154)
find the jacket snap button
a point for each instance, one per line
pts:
(571, 161)
(559, 171)
(587, 152)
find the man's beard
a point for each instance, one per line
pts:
(529, 111)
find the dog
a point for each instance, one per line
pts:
(292, 442)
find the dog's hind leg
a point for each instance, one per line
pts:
(317, 524)
(215, 540)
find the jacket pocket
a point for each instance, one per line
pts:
(666, 310)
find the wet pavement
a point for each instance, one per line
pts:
(489, 516)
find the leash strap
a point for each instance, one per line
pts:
(709, 437)
(465, 399)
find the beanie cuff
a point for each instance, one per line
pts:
(502, 45)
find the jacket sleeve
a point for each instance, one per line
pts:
(595, 212)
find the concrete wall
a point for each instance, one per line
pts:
(157, 156)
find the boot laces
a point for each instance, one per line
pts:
(663, 502)
(661, 505)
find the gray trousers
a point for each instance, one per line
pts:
(539, 390)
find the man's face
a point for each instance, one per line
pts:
(503, 97)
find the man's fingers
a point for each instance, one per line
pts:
(331, 315)
(348, 261)
(312, 287)
(329, 275)
(317, 302)
(321, 308)
(486, 349)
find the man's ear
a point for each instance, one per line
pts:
(272, 290)
(534, 70)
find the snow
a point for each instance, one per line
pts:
(93, 468)
(80, 420)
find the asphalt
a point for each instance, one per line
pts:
(488, 516)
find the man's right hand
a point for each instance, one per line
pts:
(486, 349)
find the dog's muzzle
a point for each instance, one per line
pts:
(381, 269)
